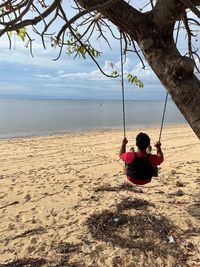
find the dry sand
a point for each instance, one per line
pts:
(64, 201)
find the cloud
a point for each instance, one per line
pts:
(146, 75)
(42, 76)
(93, 75)
(59, 72)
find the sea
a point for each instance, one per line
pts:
(23, 118)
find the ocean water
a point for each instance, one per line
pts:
(40, 117)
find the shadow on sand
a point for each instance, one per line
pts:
(142, 233)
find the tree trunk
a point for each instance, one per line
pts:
(153, 31)
(178, 79)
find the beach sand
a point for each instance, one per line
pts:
(64, 201)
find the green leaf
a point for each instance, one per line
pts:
(112, 65)
(21, 33)
(114, 73)
(134, 80)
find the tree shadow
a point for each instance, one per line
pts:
(194, 210)
(122, 187)
(141, 233)
(65, 250)
(30, 262)
(136, 203)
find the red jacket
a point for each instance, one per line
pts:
(128, 157)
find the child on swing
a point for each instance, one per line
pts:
(141, 165)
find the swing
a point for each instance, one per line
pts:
(154, 171)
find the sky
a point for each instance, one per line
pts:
(24, 76)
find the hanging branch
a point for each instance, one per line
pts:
(89, 53)
(47, 26)
(27, 22)
(194, 20)
(134, 50)
(84, 12)
(103, 22)
(39, 14)
(30, 46)
(102, 35)
(150, 2)
(9, 39)
(185, 21)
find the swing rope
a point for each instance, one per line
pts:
(163, 116)
(166, 97)
(122, 85)
(123, 97)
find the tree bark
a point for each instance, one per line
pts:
(176, 74)
(153, 32)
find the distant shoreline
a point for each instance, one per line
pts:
(81, 99)
(95, 131)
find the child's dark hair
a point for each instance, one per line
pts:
(142, 141)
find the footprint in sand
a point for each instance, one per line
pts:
(2, 195)
(82, 176)
(30, 249)
(11, 226)
(34, 241)
(27, 197)
(18, 218)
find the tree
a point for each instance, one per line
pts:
(153, 32)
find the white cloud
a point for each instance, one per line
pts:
(93, 75)
(42, 75)
(146, 75)
(59, 72)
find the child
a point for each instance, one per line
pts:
(140, 165)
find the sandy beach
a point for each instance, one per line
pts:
(64, 201)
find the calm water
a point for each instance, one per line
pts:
(40, 117)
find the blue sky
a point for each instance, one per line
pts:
(41, 77)
(22, 76)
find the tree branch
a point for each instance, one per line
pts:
(92, 57)
(34, 21)
(123, 15)
(192, 7)
(84, 12)
(166, 13)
